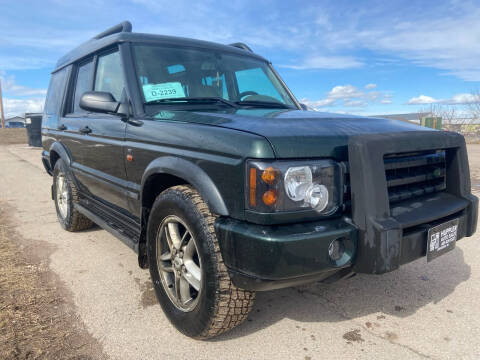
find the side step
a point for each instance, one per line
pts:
(117, 227)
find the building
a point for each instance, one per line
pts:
(15, 122)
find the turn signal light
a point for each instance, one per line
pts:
(269, 197)
(253, 187)
(268, 175)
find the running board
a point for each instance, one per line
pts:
(111, 227)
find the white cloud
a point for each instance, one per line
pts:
(327, 62)
(344, 92)
(464, 99)
(15, 107)
(447, 39)
(10, 87)
(458, 99)
(370, 86)
(349, 96)
(422, 99)
(8, 62)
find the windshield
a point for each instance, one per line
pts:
(172, 75)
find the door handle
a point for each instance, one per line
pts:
(62, 127)
(85, 130)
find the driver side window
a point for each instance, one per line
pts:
(109, 75)
(256, 79)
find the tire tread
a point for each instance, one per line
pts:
(232, 304)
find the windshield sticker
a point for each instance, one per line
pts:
(168, 90)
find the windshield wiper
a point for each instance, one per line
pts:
(195, 100)
(263, 104)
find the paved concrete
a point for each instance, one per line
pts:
(419, 311)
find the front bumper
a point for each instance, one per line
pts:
(261, 257)
(265, 257)
(378, 237)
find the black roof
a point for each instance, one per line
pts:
(112, 36)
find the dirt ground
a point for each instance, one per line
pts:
(37, 315)
(13, 136)
(82, 296)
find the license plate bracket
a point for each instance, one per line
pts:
(441, 239)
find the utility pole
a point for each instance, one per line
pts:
(2, 116)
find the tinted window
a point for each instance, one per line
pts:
(82, 84)
(109, 75)
(176, 73)
(256, 79)
(55, 92)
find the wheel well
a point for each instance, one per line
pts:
(156, 184)
(53, 158)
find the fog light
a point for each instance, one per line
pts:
(336, 249)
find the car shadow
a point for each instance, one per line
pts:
(400, 294)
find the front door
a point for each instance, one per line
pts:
(101, 137)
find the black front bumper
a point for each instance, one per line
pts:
(378, 237)
(390, 236)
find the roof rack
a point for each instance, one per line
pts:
(125, 26)
(241, 46)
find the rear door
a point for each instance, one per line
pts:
(73, 118)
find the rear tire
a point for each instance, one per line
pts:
(207, 304)
(65, 194)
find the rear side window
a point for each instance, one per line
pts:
(109, 75)
(55, 92)
(83, 84)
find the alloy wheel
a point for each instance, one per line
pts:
(179, 263)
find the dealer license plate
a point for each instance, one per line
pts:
(441, 239)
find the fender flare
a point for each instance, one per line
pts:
(61, 151)
(192, 174)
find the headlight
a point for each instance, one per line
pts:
(289, 186)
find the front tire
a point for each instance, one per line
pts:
(65, 194)
(190, 279)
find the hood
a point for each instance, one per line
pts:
(297, 133)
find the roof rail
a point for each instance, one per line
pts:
(125, 26)
(241, 46)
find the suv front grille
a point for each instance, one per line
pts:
(410, 175)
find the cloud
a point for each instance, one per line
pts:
(446, 39)
(370, 86)
(349, 96)
(458, 99)
(10, 87)
(344, 92)
(326, 62)
(15, 107)
(464, 99)
(8, 62)
(422, 99)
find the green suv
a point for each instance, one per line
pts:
(198, 157)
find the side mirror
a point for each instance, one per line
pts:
(303, 106)
(99, 101)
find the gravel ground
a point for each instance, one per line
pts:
(13, 136)
(419, 311)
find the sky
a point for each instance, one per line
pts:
(359, 57)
